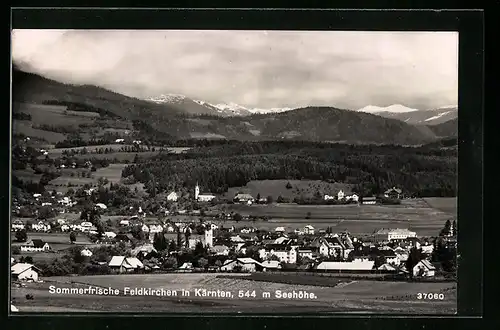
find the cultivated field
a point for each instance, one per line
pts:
(356, 296)
(275, 188)
(27, 175)
(113, 172)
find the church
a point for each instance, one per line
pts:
(205, 197)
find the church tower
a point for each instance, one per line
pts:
(196, 191)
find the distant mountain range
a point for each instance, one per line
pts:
(177, 116)
(414, 116)
(229, 109)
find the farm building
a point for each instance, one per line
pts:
(393, 193)
(369, 200)
(424, 268)
(23, 271)
(35, 245)
(246, 264)
(345, 266)
(387, 235)
(172, 197)
(243, 198)
(122, 264)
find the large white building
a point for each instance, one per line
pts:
(36, 245)
(172, 197)
(387, 235)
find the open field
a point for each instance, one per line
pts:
(54, 238)
(27, 175)
(356, 296)
(113, 172)
(275, 188)
(23, 127)
(448, 205)
(363, 219)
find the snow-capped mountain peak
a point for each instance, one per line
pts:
(395, 108)
(167, 98)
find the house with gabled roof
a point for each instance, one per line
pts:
(393, 193)
(35, 245)
(24, 271)
(123, 264)
(424, 268)
(246, 264)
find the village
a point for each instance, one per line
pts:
(199, 240)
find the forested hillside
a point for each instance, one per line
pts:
(424, 171)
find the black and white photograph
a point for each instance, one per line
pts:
(234, 171)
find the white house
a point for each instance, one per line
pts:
(220, 250)
(340, 195)
(246, 264)
(169, 228)
(271, 264)
(40, 226)
(122, 264)
(61, 221)
(309, 230)
(119, 140)
(237, 239)
(124, 223)
(65, 228)
(155, 229)
(387, 267)
(279, 229)
(284, 253)
(427, 249)
(387, 235)
(109, 234)
(305, 252)
(101, 206)
(339, 266)
(172, 197)
(353, 197)
(35, 245)
(145, 228)
(17, 225)
(329, 198)
(23, 271)
(86, 253)
(424, 268)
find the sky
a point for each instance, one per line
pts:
(257, 69)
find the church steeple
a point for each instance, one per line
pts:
(196, 191)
